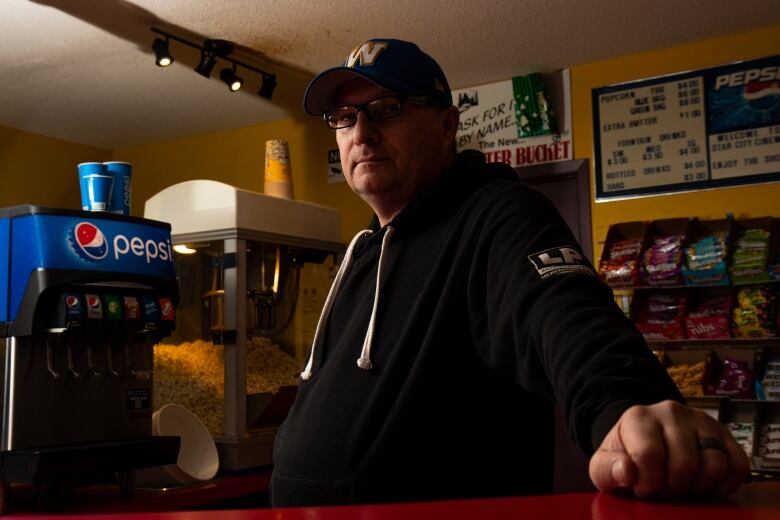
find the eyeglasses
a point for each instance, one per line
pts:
(385, 107)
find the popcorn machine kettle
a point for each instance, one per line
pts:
(241, 281)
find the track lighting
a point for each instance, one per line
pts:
(268, 86)
(163, 57)
(212, 51)
(233, 80)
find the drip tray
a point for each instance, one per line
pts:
(35, 465)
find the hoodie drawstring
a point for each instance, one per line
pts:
(364, 361)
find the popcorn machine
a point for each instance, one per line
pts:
(240, 263)
(84, 298)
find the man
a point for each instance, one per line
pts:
(458, 319)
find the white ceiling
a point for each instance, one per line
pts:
(83, 70)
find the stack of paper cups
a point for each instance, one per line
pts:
(278, 175)
(122, 190)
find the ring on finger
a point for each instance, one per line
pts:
(711, 443)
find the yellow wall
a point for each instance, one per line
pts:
(41, 170)
(748, 201)
(237, 157)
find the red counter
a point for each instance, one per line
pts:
(755, 501)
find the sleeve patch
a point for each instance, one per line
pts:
(560, 260)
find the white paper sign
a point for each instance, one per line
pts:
(487, 123)
(335, 173)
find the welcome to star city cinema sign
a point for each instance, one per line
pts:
(488, 123)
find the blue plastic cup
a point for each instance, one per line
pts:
(86, 170)
(99, 191)
(122, 192)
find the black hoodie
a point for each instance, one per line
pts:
(486, 316)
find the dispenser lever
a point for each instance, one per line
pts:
(71, 365)
(50, 357)
(147, 345)
(90, 361)
(110, 360)
(127, 354)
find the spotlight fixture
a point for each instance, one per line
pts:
(207, 62)
(268, 86)
(163, 57)
(233, 80)
(210, 52)
(212, 49)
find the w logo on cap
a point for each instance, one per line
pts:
(365, 53)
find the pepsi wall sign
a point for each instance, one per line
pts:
(709, 128)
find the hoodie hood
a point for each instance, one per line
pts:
(469, 171)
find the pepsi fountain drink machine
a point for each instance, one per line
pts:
(83, 298)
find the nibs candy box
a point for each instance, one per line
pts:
(709, 314)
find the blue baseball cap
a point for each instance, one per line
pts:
(391, 64)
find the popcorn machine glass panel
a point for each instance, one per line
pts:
(256, 274)
(233, 359)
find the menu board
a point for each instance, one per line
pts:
(695, 130)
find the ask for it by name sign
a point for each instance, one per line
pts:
(704, 129)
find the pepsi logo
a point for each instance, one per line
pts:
(167, 309)
(72, 302)
(93, 301)
(89, 242)
(761, 95)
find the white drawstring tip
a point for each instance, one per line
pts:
(364, 363)
(306, 375)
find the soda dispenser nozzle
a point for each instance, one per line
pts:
(144, 341)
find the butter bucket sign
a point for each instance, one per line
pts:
(488, 123)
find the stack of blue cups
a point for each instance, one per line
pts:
(106, 186)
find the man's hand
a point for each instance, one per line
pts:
(668, 450)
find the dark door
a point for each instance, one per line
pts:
(567, 185)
